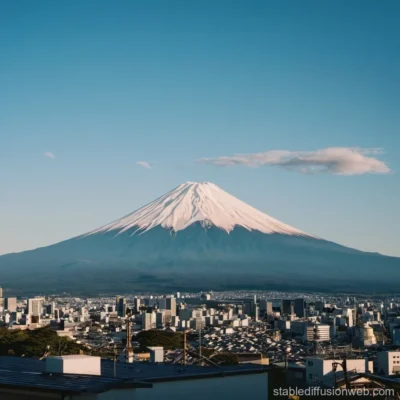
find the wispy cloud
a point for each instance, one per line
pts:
(50, 155)
(333, 160)
(144, 164)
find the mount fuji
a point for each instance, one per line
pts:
(194, 237)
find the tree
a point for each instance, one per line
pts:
(168, 340)
(35, 343)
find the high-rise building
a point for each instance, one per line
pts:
(199, 322)
(168, 303)
(256, 312)
(121, 307)
(35, 308)
(300, 308)
(160, 319)
(11, 304)
(136, 304)
(171, 305)
(266, 307)
(1, 291)
(149, 321)
(286, 306)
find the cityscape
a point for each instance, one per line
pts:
(309, 340)
(199, 200)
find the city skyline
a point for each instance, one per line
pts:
(291, 109)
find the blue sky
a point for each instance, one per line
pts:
(100, 85)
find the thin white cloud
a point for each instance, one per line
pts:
(333, 160)
(144, 164)
(50, 155)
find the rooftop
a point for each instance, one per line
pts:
(30, 372)
(65, 383)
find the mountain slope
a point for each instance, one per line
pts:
(198, 202)
(193, 237)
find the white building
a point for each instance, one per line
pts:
(317, 333)
(11, 304)
(367, 336)
(35, 306)
(320, 371)
(149, 321)
(156, 354)
(388, 362)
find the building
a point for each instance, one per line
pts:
(11, 304)
(266, 307)
(388, 363)
(136, 304)
(205, 296)
(300, 308)
(320, 371)
(121, 306)
(317, 333)
(168, 303)
(286, 306)
(35, 309)
(156, 354)
(298, 328)
(1, 291)
(33, 379)
(149, 321)
(366, 336)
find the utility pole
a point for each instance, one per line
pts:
(128, 340)
(346, 377)
(343, 364)
(184, 348)
(115, 361)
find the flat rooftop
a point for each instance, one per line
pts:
(30, 372)
(73, 384)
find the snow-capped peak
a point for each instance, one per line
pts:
(193, 202)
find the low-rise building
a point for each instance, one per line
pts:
(388, 363)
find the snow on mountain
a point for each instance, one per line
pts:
(193, 202)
